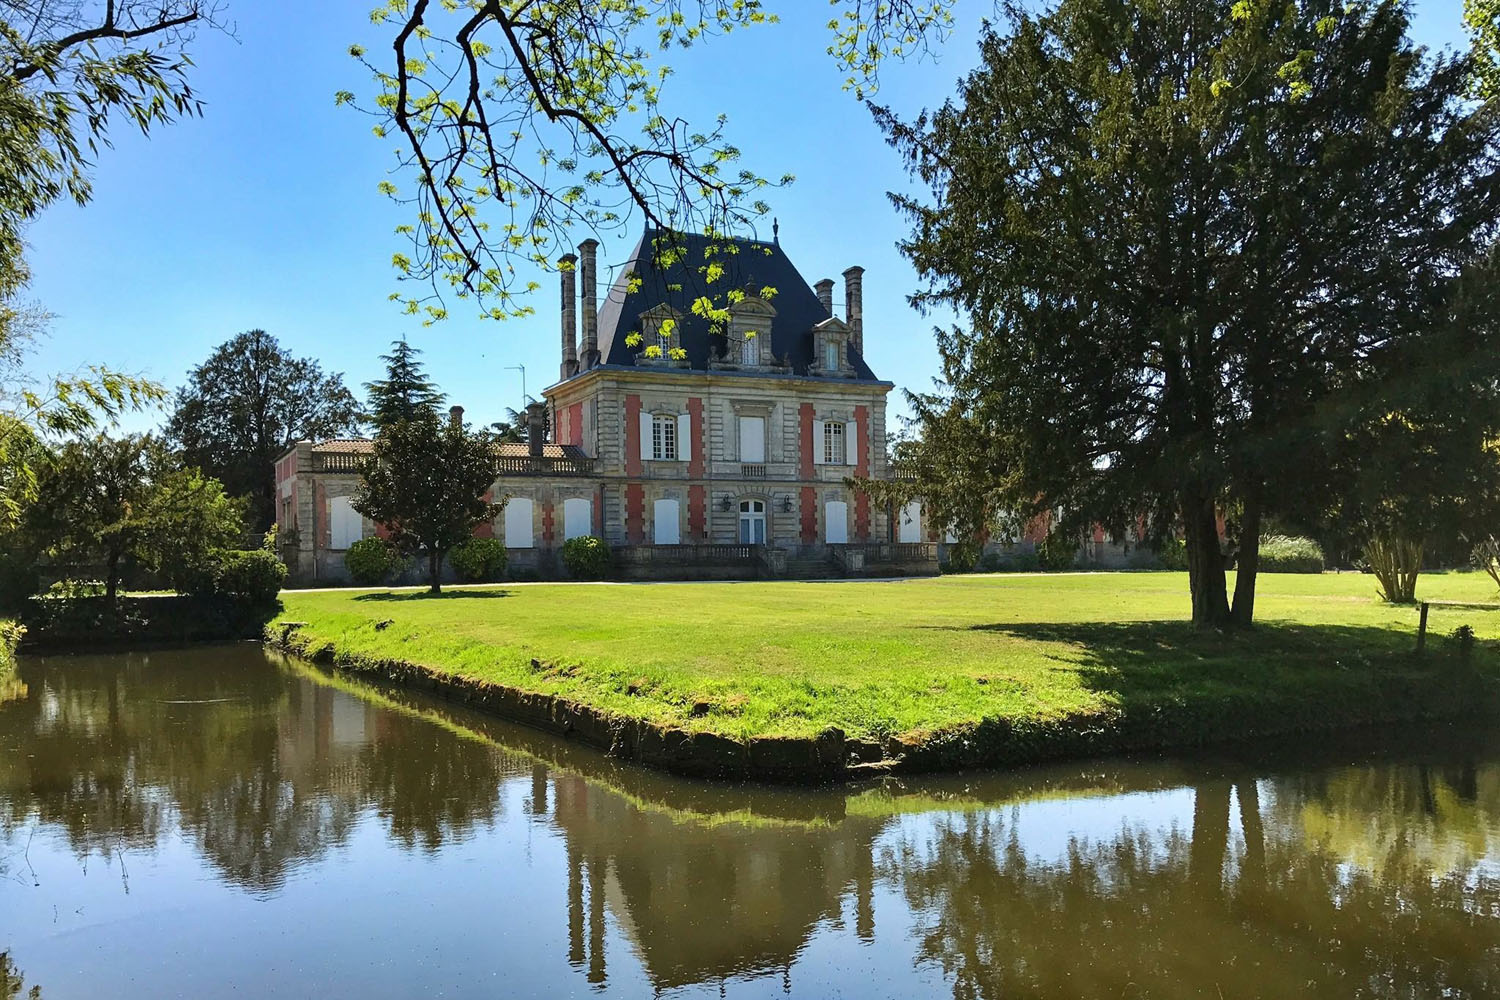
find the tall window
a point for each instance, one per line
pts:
(833, 443)
(831, 355)
(664, 341)
(750, 350)
(664, 439)
(752, 522)
(752, 439)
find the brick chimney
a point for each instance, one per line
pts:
(589, 357)
(569, 273)
(536, 427)
(854, 307)
(456, 416)
(825, 294)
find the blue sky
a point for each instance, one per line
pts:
(264, 213)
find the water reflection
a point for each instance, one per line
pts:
(394, 831)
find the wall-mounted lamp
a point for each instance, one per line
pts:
(786, 504)
(725, 504)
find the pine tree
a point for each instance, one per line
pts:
(405, 393)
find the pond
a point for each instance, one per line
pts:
(224, 822)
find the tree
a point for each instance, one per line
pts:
(426, 482)
(405, 391)
(1159, 221)
(67, 67)
(1483, 19)
(515, 121)
(246, 405)
(122, 500)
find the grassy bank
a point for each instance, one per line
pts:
(946, 671)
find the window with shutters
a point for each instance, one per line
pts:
(664, 438)
(833, 443)
(752, 439)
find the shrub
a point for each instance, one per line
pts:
(479, 560)
(992, 562)
(1283, 554)
(371, 561)
(1172, 552)
(73, 590)
(1057, 552)
(253, 577)
(587, 557)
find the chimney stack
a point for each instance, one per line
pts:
(536, 427)
(825, 294)
(590, 356)
(456, 416)
(854, 307)
(569, 273)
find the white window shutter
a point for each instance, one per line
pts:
(645, 436)
(820, 453)
(851, 431)
(684, 437)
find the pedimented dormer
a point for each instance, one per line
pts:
(750, 321)
(661, 337)
(831, 349)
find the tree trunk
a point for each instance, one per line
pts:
(1205, 565)
(434, 563)
(1247, 565)
(112, 581)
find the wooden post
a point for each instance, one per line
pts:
(1422, 630)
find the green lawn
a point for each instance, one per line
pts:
(917, 657)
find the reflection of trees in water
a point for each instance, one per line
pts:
(13, 984)
(1263, 913)
(262, 769)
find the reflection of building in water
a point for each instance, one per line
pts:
(703, 901)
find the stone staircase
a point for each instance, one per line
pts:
(811, 568)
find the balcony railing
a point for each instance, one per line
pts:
(337, 462)
(687, 555)
(531, 465)
(853, 558)
(752, 471)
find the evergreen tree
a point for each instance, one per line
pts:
(405, 393)
(426, 482)
(1197, 244)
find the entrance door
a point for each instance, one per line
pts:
(911, 523)
(666, 524)
(752, 522)
(836, 522)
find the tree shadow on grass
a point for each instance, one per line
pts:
(447, 595)
(1131, 659)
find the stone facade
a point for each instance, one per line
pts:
(725, 454)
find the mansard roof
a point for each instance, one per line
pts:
(746, 263)
(506, 449)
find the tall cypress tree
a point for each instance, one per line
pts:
(1189, 236)
(405, 393)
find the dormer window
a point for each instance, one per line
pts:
(829, 338)
(661, 337)
(750, 330)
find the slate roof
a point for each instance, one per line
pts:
(755, 264)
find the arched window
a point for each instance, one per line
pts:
(752, 522)
(836, 522)
(578, 518)
(518, 524)
(346, 525)
(666, 523)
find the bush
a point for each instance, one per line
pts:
(587, 557)
(1057, 552)
(991, 562)
(73, 590)
(252, 578)
(479, 560)
(1283, 554)
(371, 561)
(1173, 554)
